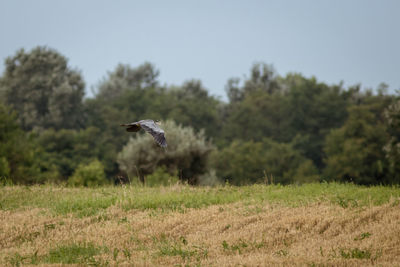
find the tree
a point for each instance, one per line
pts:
(43, 90)
(392, 146)
(285, 109)
(124, 97)
(18, 152)
(124, 77)
(66, 149)
(262, 78)
(186, 155)
(245, 162)
(354, 152)
(90, 175)
(191, 105)
(311, 110)
(257, 116)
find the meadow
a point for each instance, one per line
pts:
(318, 224)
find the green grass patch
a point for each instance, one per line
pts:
(83, 202)
(81, 253)
(241, 245)
(181, 248)
(362, 236)
(355, 253)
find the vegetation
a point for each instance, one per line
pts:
(17, 151)
(311, 224)
(287, 129)
(83, 202)
(43, 90)
(261, 163)
(88, 175)
(186, 154)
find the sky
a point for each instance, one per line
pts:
(353, 41)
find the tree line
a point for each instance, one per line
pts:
(273, 128)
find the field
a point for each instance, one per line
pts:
(325, 224)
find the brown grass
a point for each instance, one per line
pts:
(319, 234)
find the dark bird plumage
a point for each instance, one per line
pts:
(149, 126)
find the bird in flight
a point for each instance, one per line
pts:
(149, 126)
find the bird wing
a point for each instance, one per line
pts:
(152, 128)
(132, 127)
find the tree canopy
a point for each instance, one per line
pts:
(43, 90)
(286, 129)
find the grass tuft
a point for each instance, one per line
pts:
(81, 253)
(355, 253)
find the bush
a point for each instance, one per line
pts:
(186, 155)
(252, 162)
(91, 174)
(210, 179)
(161, 177)
(4, 167)
(392, 147)
(65, 149)
(354, 152)
(18, 151)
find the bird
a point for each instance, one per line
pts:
(149, 126)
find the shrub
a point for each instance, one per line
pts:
(4, 167)
(210, 179)
(392, 147)
(252, 162)
(354, 152)
(160, 177)
(18, 151)
(187, 154)
(91, 174)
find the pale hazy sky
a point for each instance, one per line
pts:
(355, 41)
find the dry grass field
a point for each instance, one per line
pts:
(309, 225)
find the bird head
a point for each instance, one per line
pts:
(158, 122)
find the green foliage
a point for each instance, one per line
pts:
(87, 202)
(66, 149)
(355, 253)
(312, 110)
(186, 154)
(251, 162)
(256, 109)
(239, 247)
(273, 129)
(354, 151)
(75, 253)
(180, 248)
(392, 146)
(127, 94)
(130, 94)
(160, 177)
(18, 151)
(91, 174)
(82, 253)
(124, 77)
(4, 167)
(209, 178)
(43, 90)
(284, 109)
(262, 79)
(247, 119)
(191, 105)
(362, 236)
